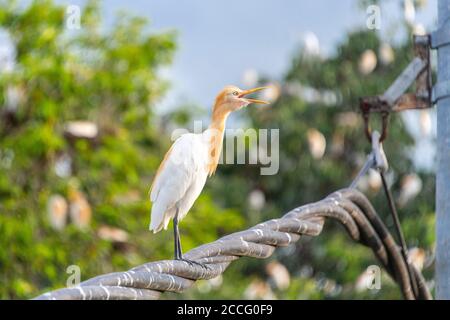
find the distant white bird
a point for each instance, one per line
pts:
(79, 208)
(191, 159)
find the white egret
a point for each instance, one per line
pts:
(192, 158)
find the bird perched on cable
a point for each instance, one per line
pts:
(192, 158)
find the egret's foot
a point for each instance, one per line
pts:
(192, 263)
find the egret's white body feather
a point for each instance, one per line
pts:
(180, 179)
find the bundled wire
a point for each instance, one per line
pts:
(377, 160)
(348, 207)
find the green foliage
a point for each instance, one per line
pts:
(110, 78)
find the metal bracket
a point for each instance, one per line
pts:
(395, 98)
(441, 36)
(441, 90)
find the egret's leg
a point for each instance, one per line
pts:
(176, 235)
(177, 241)
(180, 250)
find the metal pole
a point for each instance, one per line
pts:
(443, 154)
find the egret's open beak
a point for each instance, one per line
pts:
(247, 92)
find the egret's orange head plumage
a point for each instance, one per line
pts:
(230, 99)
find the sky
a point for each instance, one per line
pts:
(220, 41)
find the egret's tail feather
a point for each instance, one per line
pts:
(154, 227)
(160, 218)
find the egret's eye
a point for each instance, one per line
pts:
(235, 93)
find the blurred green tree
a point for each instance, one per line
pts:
(80, 143)
(79, 146)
